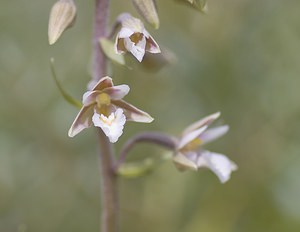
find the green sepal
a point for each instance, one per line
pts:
(65, 95)
(109, 51)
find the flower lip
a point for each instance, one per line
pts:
(218, 163)
(112, 125)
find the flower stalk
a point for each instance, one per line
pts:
(157, 138)
(108, 183)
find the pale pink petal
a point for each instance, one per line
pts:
(189, 137)
(213, 134)
(104, 82)
(205, 121)
(89, 97)
(132, 113)
(218, 163)
(83, 120)
(117, 92)
(120, 46)
(183, 162)
(152, 46)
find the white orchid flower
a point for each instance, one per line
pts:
(134, 38)
(103, 107)
(190, 155)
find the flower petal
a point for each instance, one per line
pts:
(120, 46)
(89, 97)
(132, 113)
(213, 133)
(117, 92)
(151, 45)
(137, 50)
(183, 162)
(189, 137)
(112, 125)
(218, 163)
(82, 121)
(104, 82)
(125, 33)
(205, 121)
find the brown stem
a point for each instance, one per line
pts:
(158, 138)
(109, 196)
(100, 30)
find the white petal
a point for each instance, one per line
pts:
(125, 33)
(137, 50)
(213, 133)
(218, 163)
(112, 125)
(189, 137)
(202, 122)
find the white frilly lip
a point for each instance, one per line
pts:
(137, 50)
(112, 126)
(218, 163)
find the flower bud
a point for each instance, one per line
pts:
(200, 5)
(62, 16)
(147, 8)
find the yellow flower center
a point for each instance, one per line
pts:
(193, 145)
(103, 103)
(103, 99)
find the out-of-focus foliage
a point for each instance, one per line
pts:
(242, 59)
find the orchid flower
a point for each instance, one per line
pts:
(103, 107)
(190, 155)
(134, 38)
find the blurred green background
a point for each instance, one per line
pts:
(241, 59)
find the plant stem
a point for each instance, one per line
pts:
(109, 196)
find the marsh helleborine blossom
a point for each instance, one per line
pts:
(103, 107)
(190, 155)
(134, 38)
